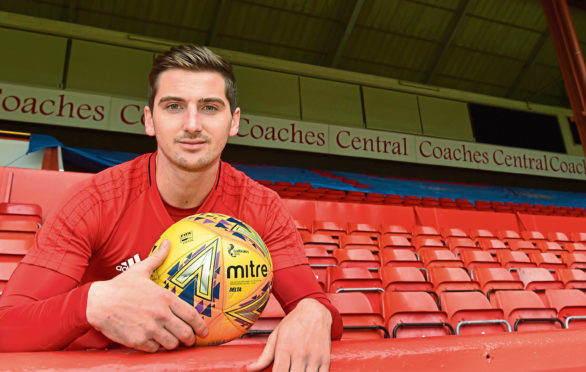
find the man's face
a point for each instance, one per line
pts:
(191, 118)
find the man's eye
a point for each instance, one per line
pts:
(173, 106)
(210, 108)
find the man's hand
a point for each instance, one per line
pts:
(134, 311)
(301, 342)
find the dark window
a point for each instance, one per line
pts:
(575, 134)
(499, 126)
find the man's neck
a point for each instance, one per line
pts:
(184, 189)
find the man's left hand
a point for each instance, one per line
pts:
(301, 342)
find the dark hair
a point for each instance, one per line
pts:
(192, 58)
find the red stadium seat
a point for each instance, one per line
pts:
(400, 258)
(447, 203)
(570, 305)
(481, 234)
(369, 230)
(358, 257)
(319, 239)
(361, 321)
(476, 258)
(514, 259)
(491, 245)
(507, 235)
(532, 236)
(496, 279)
(393, 199)
(482, 205)
(396, 242)
(545, 246)
(573, 247)
(359, 242)
(451, 279)
(578, 237)
(424, 242)
(303, 227)
(356, 279)
(464, 204)
(538, 279)
(523, 246)
(559, 237)
(404, 279)
(331, 228)
(525, 311)
(458, 245)
(414, 314)
(411, 200)
(575, 259)
(440, 258)
(425, 231)
(454, 233)
(546, 260)
(472, 313)
(319, 255)
(428, 201)
(572, 278)
(395, 230)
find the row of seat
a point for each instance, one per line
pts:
(301, 190)
(340, 230)
(406, 314)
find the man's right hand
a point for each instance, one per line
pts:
(136, 312)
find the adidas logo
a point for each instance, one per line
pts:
(129, 262)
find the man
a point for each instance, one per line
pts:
(69, 291)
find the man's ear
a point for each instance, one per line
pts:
(149, 127)
(235, 123)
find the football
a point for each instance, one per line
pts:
(219, 265)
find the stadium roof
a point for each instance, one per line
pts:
(499, 47)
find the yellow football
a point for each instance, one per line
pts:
(219, 265)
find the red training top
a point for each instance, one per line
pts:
(111, 222)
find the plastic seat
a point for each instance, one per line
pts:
(447, 203)
(573, 247)
(574, 260)
(440, 258)
(395, 242)
(476, 258)
(454, 233)
(482, 205)
(404, 279)
(331, 228)
(411, 200)
(532, 236)
(451, 279)
(372, 197)
(578, 237)
(522, 246)
(319, 255)
(547, 260)
(395, 230)
(393, 199)
(371, 231)
(426, 231)
(428, 201)
(525, 311)
(414, 314)
(492, 279)
(481, 234)
(400, 258)
(464, 204)
(538, 279)
(572, 278)
(424, 242)
(500, 207)
(359, 242)
(559, 237)
(287, 194)
(457, 245)
(507, 235)
(472, 313)
(20, 217)
(356, 279)
(514, 259)
(491, 245)
(361, 321)
(355, 196)
(303, 226)
(570, 305)
(358, 257)
(319, 239)
(545, 246)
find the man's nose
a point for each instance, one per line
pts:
(192, 122)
